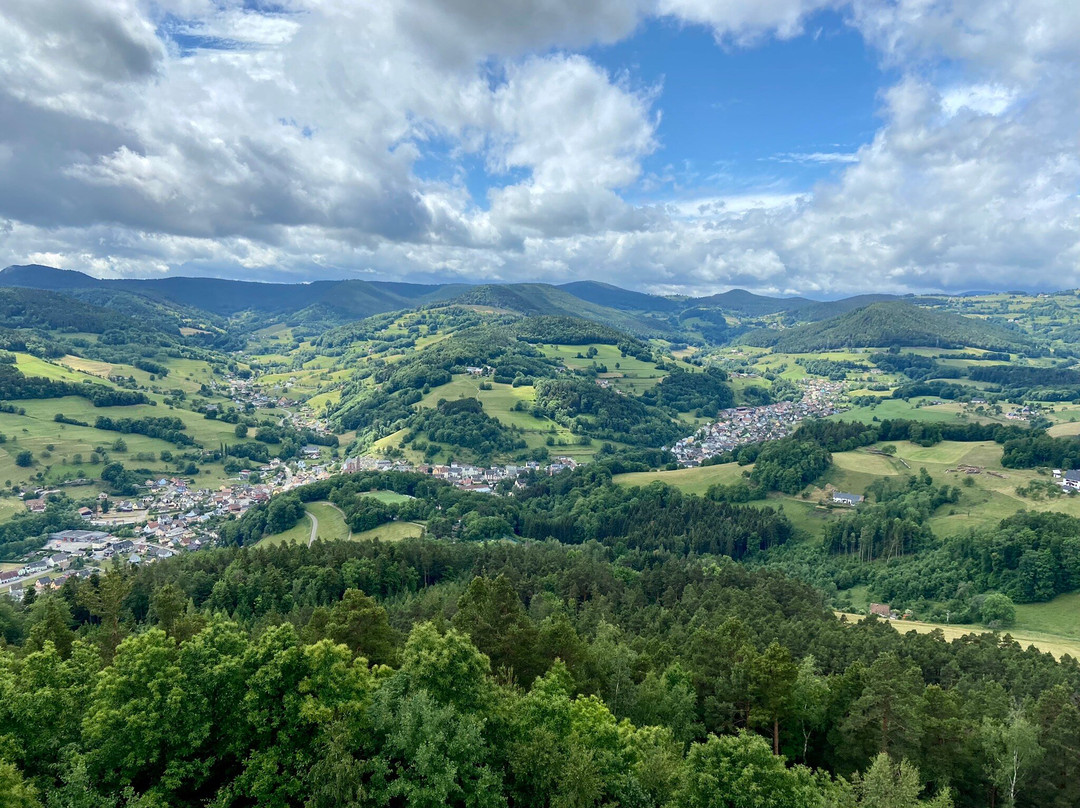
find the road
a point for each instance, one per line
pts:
(314, 527)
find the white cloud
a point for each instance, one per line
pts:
(297, 152)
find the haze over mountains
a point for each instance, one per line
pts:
(364, 298)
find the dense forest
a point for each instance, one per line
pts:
(429, 673)
(894, 323)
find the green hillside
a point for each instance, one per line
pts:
(895, 323)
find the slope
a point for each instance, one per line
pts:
(895, 323)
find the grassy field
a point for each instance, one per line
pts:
(692, 481)
(988, 499)
(37, 430)
(499, 403)
(631, 375)
(391, 531)
(300, 532)
(1060, 616)
(1047, 643)
(387, 497)
(331, 521)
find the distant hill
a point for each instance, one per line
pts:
(814, 312)
(46, 310)
(36, 276)
(893, 323)
(540, 298)
(739, 301)
(604, 294)
(341, 301)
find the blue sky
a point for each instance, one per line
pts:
(819, 147)
(776, 117)
(732, 116)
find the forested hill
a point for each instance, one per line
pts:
(894, 323)
(39, 309)
(604, 294)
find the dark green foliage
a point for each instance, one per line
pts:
(602, 413)
(151, 367)
(15, 386)
(121, 480)
(167, 428)
(1040, 449)
(575, 331)
(683, 391)
(1030, 557)
(914, 366)
(244, 698)
(788, 465)
(251, 450)
(895, 524)
(463, 424)
(27, 531)
(830, 369)
(894, 323)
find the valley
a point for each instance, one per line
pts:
(379, 431)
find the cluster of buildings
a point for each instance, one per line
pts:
(739, 426)
(480, 479)
(78, 554)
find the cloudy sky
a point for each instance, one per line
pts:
(815, 146)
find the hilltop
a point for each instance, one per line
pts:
(893, 323)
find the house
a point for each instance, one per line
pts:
(8, 576)
(1071, 479)
(35, 505)
(86, 513)
(34, 567)
(61, 560)
(851, 500)
(881, 610)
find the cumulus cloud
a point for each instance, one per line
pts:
(214, 137)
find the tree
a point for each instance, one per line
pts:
(168, 604)
(740, 771)
(775, 677)
(358, 622)
(104, 599)
(50, 621)
(241, 431)
(998, 610)
(284, 511)
(491, 613)
(24, 459)
(809, 700)
(1012, 749)
(889, 785)
(14, 791)
(885, 717)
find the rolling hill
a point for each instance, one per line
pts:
(604, 294)
(895, 323)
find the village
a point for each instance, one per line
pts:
(739, 426)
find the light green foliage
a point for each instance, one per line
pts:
(889, 785)
(740, 771)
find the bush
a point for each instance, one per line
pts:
(998, 610)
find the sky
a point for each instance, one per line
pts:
(818, 147)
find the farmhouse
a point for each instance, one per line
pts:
(851, 500)
(1071, 479)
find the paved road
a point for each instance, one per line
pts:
(314, 527)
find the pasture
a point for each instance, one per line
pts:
(331, 521)
(691, 481)
(299, 533)
(1047, 643)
